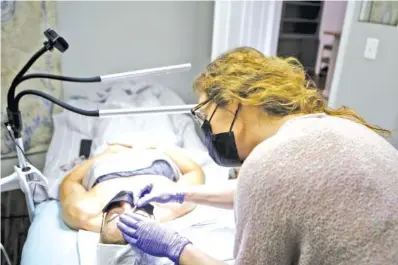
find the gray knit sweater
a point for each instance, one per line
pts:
(322, 191)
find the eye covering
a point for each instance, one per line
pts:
(126, 196)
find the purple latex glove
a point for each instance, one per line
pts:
(151, 237)
(142, 192)
(150, 194)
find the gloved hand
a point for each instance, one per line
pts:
(150, 194)
(151, 237)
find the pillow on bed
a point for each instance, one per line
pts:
(79, 123)
(63, 149)
(69, 130)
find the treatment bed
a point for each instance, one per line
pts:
(50, 241)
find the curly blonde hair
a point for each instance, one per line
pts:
(278, 85)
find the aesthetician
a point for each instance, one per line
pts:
(316, 186)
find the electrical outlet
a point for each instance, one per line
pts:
(371, 47)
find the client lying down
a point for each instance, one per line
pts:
(95, 193)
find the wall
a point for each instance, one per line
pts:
(368, 86)
(110, 37)
(332, 20)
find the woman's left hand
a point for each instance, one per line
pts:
(151, 237)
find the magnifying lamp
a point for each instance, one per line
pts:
(25, 172)
(58, 42)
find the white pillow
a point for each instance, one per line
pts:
(80, 123)
(63, 149)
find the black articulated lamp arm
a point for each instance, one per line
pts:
(95, 79)
(91, 113)
(53, 40)
(13, 113)
(15, 82)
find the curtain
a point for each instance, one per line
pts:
(22, 27)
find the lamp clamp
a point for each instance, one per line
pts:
(54, 40)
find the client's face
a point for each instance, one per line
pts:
(110, 233)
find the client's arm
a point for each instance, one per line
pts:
(77, 206)
(80, 208)
(192, 173)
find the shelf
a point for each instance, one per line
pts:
(301, 20)
(299, 31)
(298, 36)
(301, 3)
(325, 60)
(303, 28)
(302, 13)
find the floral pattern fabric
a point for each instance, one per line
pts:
(22, 27)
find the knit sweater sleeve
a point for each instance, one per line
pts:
(265, 232)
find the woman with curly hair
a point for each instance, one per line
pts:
(316, 185)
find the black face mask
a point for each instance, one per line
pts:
(125, 196)
(222, 147)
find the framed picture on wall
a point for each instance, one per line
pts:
(379, 12)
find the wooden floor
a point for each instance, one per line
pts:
(14, 225)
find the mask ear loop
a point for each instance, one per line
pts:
(233, 121)
(201, 104)
(214, 111)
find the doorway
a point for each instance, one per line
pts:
(308, 30)
(311, 31)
